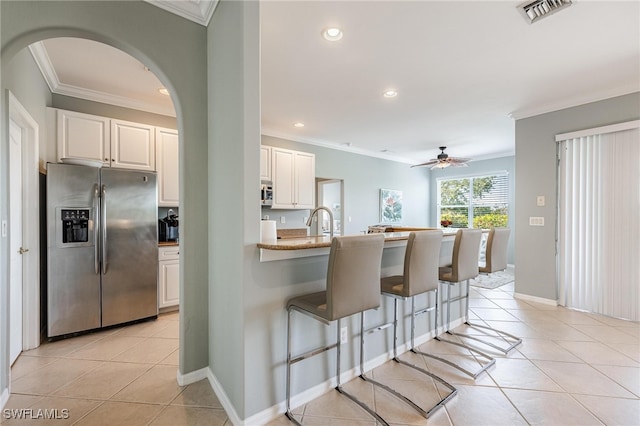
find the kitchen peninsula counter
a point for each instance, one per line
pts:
(168, 244)
(290, 248)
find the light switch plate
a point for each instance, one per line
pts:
(540, 200)
(536, 221)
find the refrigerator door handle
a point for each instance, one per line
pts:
(96, 227)
(104, 229)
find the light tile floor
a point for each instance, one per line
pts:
(123, 376)
(572, 368)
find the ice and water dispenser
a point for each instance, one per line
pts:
(75, 225)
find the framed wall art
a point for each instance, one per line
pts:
(390, 206)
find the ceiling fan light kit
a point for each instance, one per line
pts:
(538, 9)
(443, 161)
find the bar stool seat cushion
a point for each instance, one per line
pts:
(464, 265)
(420, 263)
(496, 253)
(393, 285)
(353, 279)
(314, 303)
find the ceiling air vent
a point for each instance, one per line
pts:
(536, 10)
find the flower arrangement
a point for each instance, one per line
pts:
(445, 223)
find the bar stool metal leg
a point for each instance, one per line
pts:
(511, 340)
(477, 354)
(291, 361)
(423, 412)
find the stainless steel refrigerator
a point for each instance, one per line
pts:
(102, 247)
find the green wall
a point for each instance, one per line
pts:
(71, 103)
(363, 178)
(176, 48)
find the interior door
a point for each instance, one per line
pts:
(15, 240)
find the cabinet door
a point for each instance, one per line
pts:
(167, 164)
(132, 146)
(83, 136)
(169, 283)
(265, 163)
(282, 172)
(305, 180)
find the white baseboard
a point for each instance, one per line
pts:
(536, 299)
(4, 397)
(234, 418)
(194, 376)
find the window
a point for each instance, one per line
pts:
(474, 202)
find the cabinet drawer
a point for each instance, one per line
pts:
(168, 253)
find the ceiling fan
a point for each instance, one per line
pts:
(443, 160)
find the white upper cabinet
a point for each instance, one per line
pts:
(117, 143)
(132, 145)
(265, 162)
(305, 180)
(293, 175)
(83, 136)
(167, 165)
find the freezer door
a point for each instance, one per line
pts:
(130, 246)
(73, 276)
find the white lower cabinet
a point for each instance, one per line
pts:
(168, 276)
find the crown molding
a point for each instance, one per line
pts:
(336, 146)
(39, 53)
(41, 57)
(107, 98)
(198, 11)
(576, 101)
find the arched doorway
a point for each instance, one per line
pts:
(140, 31)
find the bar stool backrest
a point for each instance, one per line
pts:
(496, 254)
(353, 275)
(421, 262)
(466, 247)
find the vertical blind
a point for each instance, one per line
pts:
(599, 223)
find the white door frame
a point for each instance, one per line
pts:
(30, 223)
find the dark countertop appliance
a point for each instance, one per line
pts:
(168, 228)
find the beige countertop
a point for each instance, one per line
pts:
(168, 244)
(311, 242)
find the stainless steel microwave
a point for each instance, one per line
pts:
(266, 193)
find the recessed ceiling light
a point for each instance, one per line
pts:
(163, 91)
(332, 34)
(390, 94)
(298, 124)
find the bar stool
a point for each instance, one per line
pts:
(495, 260)
(353, 286)
(420, 276)
(464, 266)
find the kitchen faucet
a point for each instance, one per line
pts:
(328, 210)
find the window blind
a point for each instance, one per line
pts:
(475, 202)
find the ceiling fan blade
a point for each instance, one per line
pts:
(459, 165)
(428, 163)
(458, 160)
